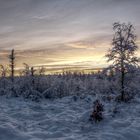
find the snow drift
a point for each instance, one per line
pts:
(67, 119)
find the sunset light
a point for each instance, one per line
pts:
(65, 32)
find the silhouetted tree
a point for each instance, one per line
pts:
(32, 75)
(12, 64)
(3, 74)
(123, 52)
(3, 71)
(26, 70)
(42, 71)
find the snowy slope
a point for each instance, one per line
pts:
(66, 119)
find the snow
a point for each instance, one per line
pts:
(67, 119)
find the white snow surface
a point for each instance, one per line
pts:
(66, 119)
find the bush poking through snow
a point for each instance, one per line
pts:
(97, 112)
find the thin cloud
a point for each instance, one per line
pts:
(62, 31)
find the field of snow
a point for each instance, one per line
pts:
(67, 119)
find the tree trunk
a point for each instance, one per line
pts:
(122, 85)
(12, 65)
(12, 71)
(32, 75)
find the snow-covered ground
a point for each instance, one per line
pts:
(67, 119)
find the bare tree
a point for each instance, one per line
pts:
(32, 71)
(26, 70)
(3, 71)
(42, 71)
(12, 64)
(123, 52)
(33, 75)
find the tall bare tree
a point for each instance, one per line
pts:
(12, 64)
(122, 53)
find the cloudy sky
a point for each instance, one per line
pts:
(59, 33)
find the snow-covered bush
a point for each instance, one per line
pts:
(97, 112)
(53, 86)
(32, 94)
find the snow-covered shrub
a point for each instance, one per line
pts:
(97, 112)
(53, 86)
(3, 91)
(50, 93)
(32, 94)
(4, 82)
(58, 89)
